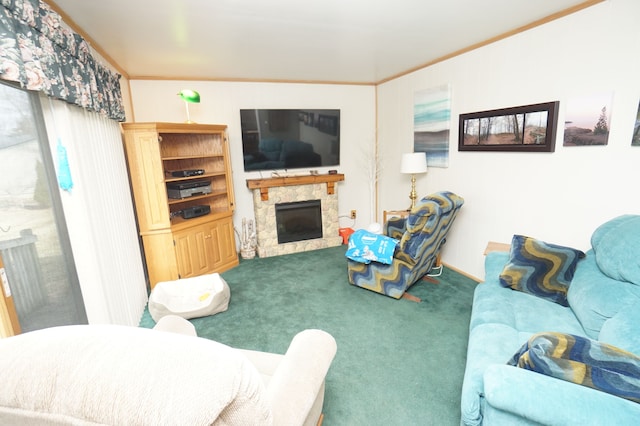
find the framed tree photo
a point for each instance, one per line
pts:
(528, 128)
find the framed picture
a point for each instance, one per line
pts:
(528, 128)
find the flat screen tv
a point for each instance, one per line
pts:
(282, 139)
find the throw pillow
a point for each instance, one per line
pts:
(542, 269)
(582, 361)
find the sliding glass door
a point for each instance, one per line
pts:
(39, 283)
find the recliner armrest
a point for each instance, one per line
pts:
(295, 384)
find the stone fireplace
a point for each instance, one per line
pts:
(267, 193)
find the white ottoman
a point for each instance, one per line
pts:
(190, 297)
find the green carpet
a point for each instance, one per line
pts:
(398, 362)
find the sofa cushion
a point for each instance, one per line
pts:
(495, 304)
(617, 250)
(623, 329)
(594, 297)
(542, 269)
(582, 361)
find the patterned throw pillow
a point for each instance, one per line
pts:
(583, 361)
(542, 269)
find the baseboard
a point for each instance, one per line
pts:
(461, 272)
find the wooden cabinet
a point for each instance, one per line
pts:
(202, 248)
(176, 247)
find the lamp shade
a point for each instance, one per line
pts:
(413, 163)
(189, 95)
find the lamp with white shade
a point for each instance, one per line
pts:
(413, 164)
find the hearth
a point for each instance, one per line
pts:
(299, 221)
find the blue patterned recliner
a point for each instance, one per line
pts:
(421, 236)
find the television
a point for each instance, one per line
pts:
(282, 139)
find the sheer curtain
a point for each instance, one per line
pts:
(99, 213)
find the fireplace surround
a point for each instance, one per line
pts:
(267, 193)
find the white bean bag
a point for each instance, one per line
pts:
(190, 297)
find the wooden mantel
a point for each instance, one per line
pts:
(264, 184)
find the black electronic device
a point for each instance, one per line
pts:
(187, 173)
(179, 190)
(195, 211)
(283, 139)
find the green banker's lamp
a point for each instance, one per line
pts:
(189, 97)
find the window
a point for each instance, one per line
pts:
(41, 287)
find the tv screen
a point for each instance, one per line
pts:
(280, 139)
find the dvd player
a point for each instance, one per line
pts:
(187, 173)
(195, 211)
(179, 190)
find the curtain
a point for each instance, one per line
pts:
(99, 213)
(39, 51)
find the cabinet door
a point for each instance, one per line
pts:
(147, 179)
(223, 245)
(192, 247)
(160, 257)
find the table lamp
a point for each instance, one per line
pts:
(413, 163)
(189, 96)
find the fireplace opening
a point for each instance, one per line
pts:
(301, 220)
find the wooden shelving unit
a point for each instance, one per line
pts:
(176, 247)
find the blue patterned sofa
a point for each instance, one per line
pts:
(421, 236)
(532, 360)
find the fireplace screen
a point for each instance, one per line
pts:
(299, 221)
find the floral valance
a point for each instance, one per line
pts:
(38, 50)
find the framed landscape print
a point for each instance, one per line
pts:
(586, 119)
(528, 128)
(431, 123)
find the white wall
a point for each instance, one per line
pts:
(221, 103)
(559, 197)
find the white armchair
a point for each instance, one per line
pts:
(108, 374)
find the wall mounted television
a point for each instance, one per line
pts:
(282, 139)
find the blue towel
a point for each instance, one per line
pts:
(64, 172)
(365, 247)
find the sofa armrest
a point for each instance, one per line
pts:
(300, 376)
(495, 246)
(547, 400)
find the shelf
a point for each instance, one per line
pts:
(187, 178)
(192, 157)
(173, 201)
(178, 223)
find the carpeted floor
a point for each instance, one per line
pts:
(398, 362)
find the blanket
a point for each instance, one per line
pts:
(366, 247)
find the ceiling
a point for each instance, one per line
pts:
(336, 41)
